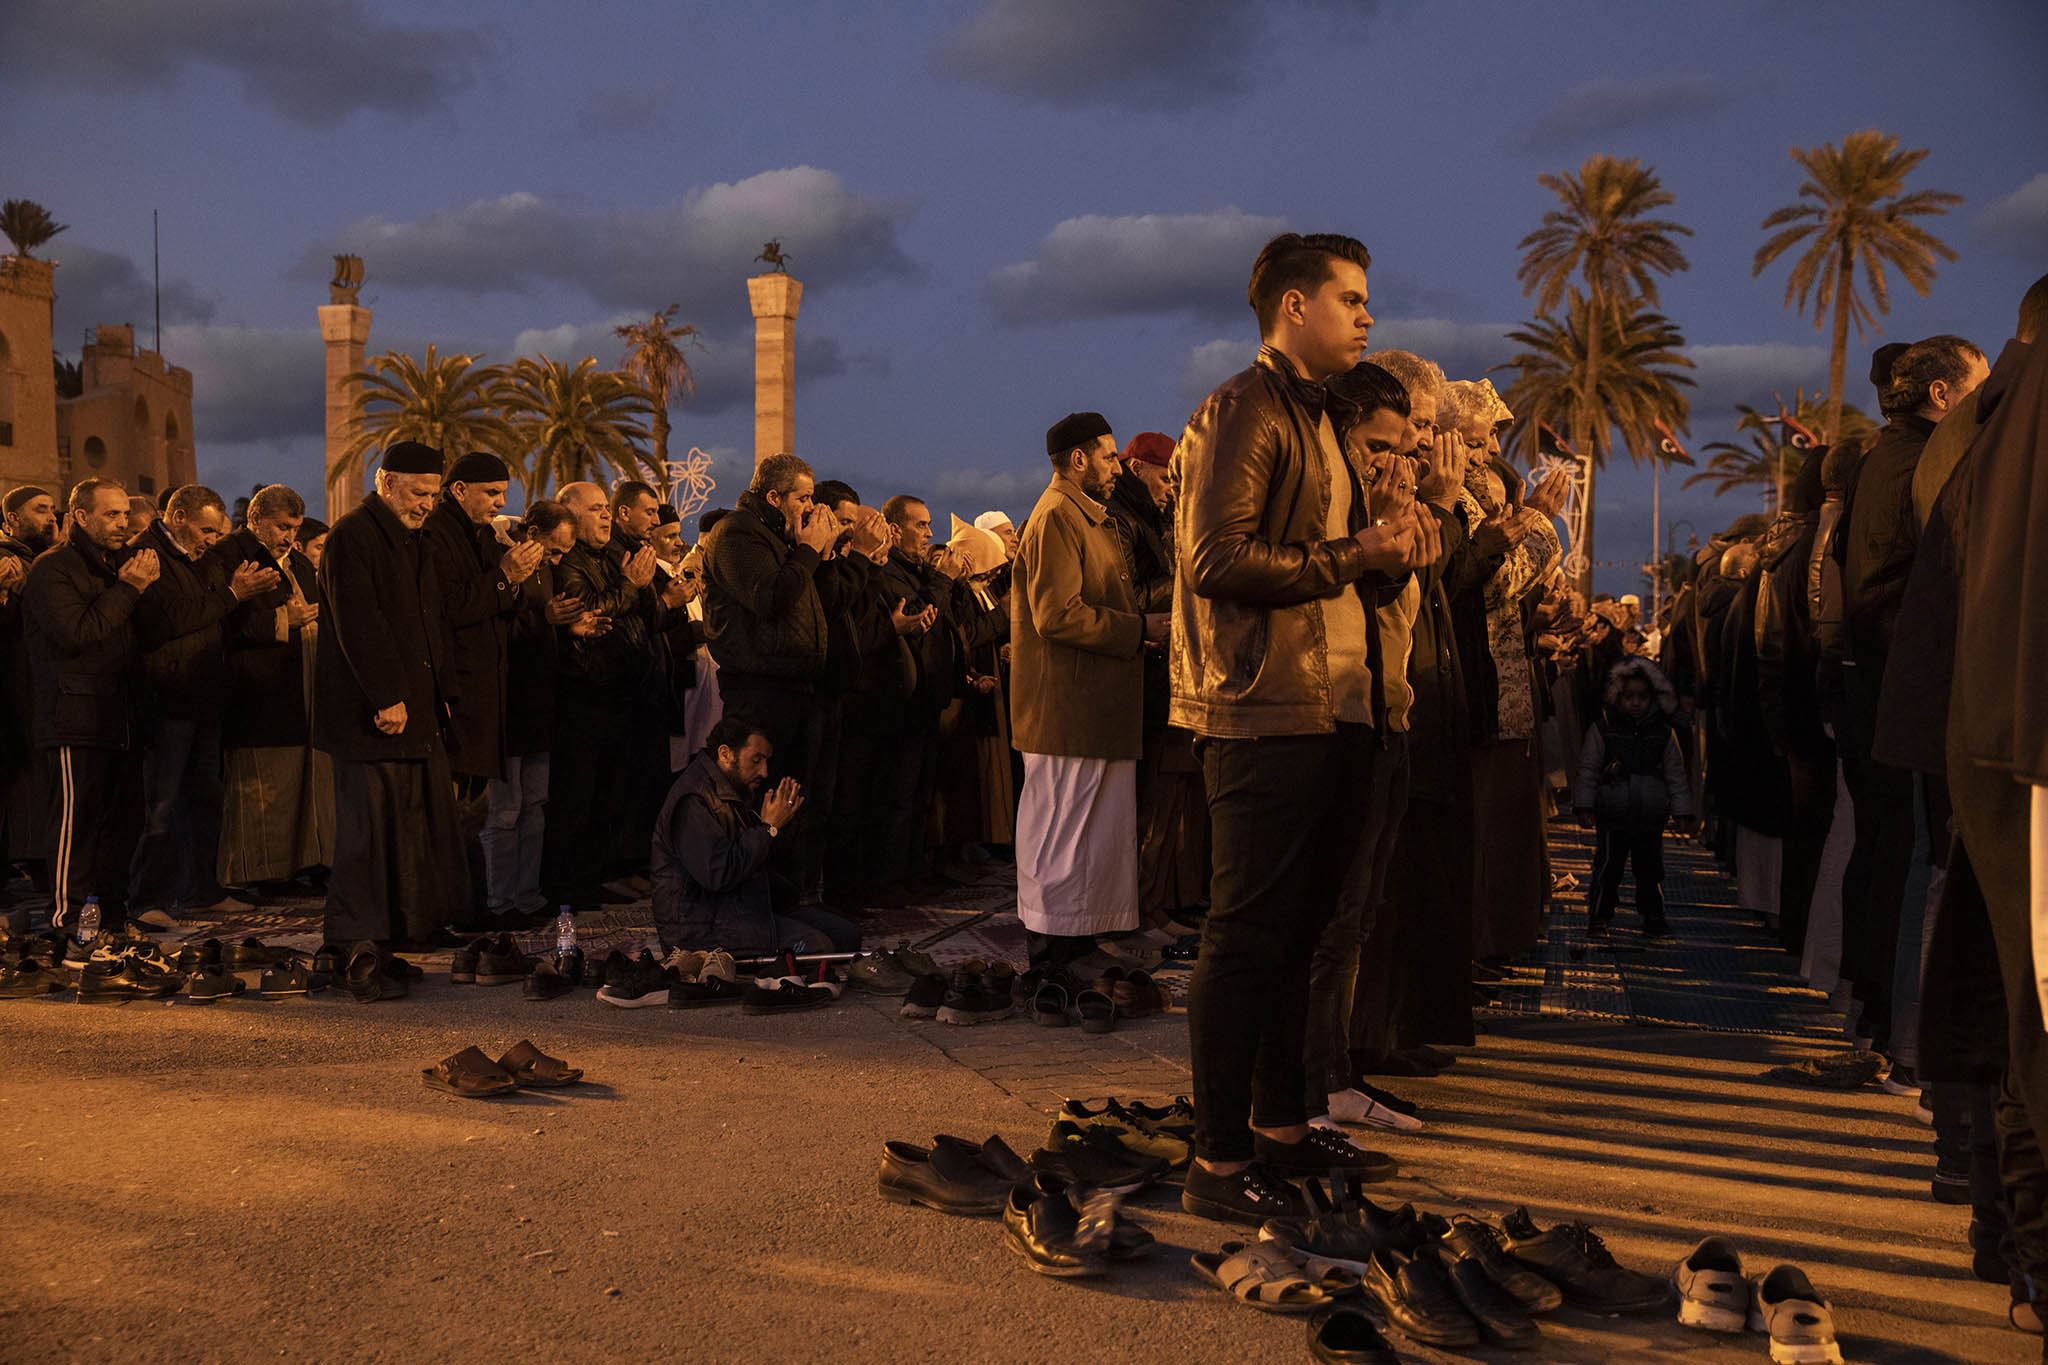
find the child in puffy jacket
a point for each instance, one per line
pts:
(1631, 782)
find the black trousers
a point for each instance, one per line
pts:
(399, 869)
(1427, 993)
(182, 797)
(1812, 775)
(1992, 820)
(1615, 847)
(909, 783)
(1874, 886)
(1286, 814)
(95, 819)
(1363, 947)
(587, 798)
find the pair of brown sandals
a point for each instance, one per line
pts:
(472, 1075)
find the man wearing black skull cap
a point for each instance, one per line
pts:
(382, 685)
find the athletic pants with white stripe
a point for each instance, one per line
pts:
(95, 820)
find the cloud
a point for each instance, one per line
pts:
(2018, 222)
(723, 365)
(1138, 54)
(1610, 105)
(1210, 363)
(313, 61)
(623, 109)
(95, 286)
(1751, 372)
(1094, 266)
(251, 384)
(986, 488)
(693, 250)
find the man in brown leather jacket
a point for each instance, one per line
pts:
(1273, 662)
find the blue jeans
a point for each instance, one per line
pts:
(515, 824)
(814, 929)
(181, 804)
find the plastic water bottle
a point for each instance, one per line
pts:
(565, 932)
(89, 921)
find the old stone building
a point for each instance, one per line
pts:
(130, 421)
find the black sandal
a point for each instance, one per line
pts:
(1049, 1007)
(470, 1074)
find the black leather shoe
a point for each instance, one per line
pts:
(1342, 1226)
(369, 979)
(1345, 1336)
(546, 982)
(331, 961)
(1500, 1315)
(24, 977)
(1572, 1257)
(1126, 1241)
(462, 964)
(254, 952)
(1052, 1237)
(947, 1177)
(1419, 1299)
(1469, 1238)
(501, 963)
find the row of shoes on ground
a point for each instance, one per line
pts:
(1715, 1295)
(1165, 1132)
(1060, 1225)
(120, 968)
(471, 1074)
(684, 979)
(1056, 998)
(1458, 1281)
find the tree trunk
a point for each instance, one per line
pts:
(1589, 420)
(661, 447)
(1838, 359)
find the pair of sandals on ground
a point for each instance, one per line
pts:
(472, 1074)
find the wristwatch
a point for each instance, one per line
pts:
(774, 831)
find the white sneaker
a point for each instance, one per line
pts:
(1712, 1294)
(1355, 1106)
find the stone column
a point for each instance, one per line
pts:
(775, 298)
(345, 327)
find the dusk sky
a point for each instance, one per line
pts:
(1001, 210)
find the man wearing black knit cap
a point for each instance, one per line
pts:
(382, 683)
(479, 581)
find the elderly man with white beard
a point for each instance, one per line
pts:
(381, 686)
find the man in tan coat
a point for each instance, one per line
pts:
(1076, 704)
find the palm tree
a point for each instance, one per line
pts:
(1634, 385)
(575, 422)
(28, 225)
(448, 402)
(1853, 208)
(1604, 238)
(654, 358)
(1762, 463)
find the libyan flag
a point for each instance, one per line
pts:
(1550, 444)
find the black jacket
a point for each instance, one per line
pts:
(1440, 718)
(710, 865)
(382, 640)
(762, 615)
(618, 661)
(477, 603)
(935, 671)
(1881, 537)
(17, 708)
(266, 654)
(178, 625)
(1145, 536)
(533, 660)
(84, 665)
(1787, 654)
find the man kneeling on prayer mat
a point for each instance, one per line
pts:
(1077, 705)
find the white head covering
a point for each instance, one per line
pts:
(988, 521)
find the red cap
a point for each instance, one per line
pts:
(1150, 447)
